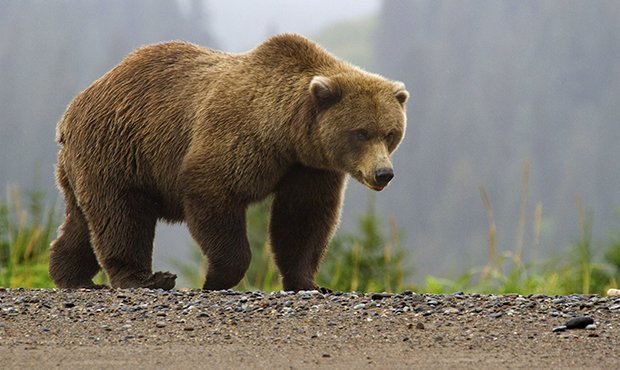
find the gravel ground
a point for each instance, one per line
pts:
(180, 329)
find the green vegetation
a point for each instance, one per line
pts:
(366, 260)
(578, 271)
(26, 231)
(369, 259)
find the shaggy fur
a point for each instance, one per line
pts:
(182, 133)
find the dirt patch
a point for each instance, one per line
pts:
(178, 329)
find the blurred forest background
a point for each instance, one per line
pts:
(495, 84)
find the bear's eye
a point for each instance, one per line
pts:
(362, 135)
(390, 138)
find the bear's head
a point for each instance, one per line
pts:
(360, 122)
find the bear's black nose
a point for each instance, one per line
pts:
(383, 176)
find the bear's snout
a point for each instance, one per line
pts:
(383, 176)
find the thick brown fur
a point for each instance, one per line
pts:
(183, 133)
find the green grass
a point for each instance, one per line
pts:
(372, 258)
(26, 230)
(578, 270)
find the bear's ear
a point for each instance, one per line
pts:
(400, 92)
(324, 90)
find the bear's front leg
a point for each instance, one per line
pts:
(305, 214)
(221, 234)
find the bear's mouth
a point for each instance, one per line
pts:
(359, 176)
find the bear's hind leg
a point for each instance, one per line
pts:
(72, 260)
(123, 229)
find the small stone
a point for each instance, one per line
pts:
(615, 307)
(379, 296)
(160, 324)
(559, 329)
(451, 310)
(613, 293)
(496, 315)
(359, 306)
(326, 355)
(579, 322)
(287, 310)
(69, 305)
(419, 326)
(591, 327)
(188, 328)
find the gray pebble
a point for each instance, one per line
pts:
(579, 322)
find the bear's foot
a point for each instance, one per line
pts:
(79, 285)
(161, 280)
(158, 280)
(305, 285)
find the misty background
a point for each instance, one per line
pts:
(494, 84)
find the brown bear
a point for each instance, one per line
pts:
(178, 132)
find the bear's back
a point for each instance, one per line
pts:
(134, 124)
